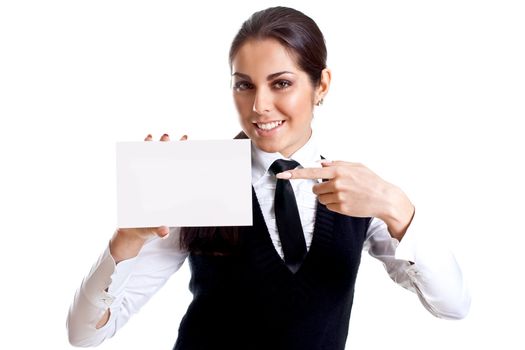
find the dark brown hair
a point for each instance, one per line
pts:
(301, 36)
(294, 30)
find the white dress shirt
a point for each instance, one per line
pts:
(124, 288)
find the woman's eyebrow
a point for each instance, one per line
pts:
(242, 76)
(275, 75)
(269, 77)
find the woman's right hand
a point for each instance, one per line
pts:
(127, 242)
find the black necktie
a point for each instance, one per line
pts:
(287, 217)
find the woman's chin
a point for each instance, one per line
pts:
(268, 147)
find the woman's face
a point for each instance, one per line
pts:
(273, 96)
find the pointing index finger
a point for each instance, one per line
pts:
(307, 173)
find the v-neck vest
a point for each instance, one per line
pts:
(251, 300)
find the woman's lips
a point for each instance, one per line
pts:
(268, 128)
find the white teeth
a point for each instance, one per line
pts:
(269, 126)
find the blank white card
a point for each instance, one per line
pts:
(184, 183)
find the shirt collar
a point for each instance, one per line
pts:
(308, 156)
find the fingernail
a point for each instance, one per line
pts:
(284, 175)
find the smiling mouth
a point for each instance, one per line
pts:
(269, 126)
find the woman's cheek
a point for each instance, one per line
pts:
(295, 104)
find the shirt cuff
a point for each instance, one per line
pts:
(406, 250)
(106, 280)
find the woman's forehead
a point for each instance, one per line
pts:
(263, 56)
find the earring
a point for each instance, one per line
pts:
(320, 102)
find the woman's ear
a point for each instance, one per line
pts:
(324, 86)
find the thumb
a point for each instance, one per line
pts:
(162, 231)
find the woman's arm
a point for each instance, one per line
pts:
(423, 266)
(353, 189)
(114, 290)
(136, 264)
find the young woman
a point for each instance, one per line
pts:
(266, 287)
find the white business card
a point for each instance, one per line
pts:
(184, 183)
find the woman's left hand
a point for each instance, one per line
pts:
(353, 189)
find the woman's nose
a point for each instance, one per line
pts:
(262, 102)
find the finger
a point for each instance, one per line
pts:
(184, 138)
(307, 173)
(329, 198)
(328, 163)
(162, 231)
(336, 207)
(142, 232)
(165, 137)
(323, 188)
(148, 138)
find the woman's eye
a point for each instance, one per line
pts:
(282, 84)
(242, 85)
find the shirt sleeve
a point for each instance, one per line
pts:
(422, 265)
(123, 288)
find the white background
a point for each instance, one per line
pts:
(429, 94)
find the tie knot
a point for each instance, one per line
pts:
(281, 165)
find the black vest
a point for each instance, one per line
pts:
(251, 300)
